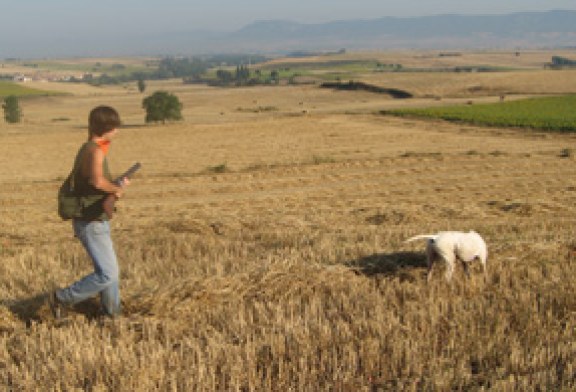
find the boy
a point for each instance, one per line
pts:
(94, 183)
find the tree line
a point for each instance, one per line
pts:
(190, 69)
(562, 62)
(243, 76)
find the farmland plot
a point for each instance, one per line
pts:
(265, 251)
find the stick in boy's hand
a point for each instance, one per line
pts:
(110, 201)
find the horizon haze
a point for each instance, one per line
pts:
(64, 28)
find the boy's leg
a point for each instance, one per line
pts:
(110, 299)
(95, 236)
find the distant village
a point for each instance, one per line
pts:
(44, 77)
(31, 73)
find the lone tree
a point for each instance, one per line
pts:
(162, 106)
(141, 85)
(12, 111)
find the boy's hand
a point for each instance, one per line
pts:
(119, 194)
(124, 182)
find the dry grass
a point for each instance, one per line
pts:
(483, 84)
(289, 271)
(531, 59)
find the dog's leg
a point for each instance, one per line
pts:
(485, 272)
(466, 269)
(449, 271)
(430, 256)
(450, 261)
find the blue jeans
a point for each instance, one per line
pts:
(95, 237)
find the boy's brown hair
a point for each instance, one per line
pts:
(103, 119)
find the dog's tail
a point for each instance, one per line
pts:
(422, 237)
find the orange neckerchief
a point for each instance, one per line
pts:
(104, 145)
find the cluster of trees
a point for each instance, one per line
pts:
(561, 62)
(353, 86)
(240, 77)
(244, 77)
(190, 69)
(186, 68)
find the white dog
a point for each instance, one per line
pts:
(451, 246)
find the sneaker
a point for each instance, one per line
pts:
(57, 307)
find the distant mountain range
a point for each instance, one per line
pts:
(517, 30)
(552, 29)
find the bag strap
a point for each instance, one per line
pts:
(74, 171)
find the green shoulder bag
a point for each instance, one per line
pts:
(69, 204)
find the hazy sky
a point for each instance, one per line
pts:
(50, 16)
(26, 23)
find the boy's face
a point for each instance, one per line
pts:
(110, 134)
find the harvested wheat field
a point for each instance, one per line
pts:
(263, 250)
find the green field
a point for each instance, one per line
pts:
(550, 114)
(10, 88)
